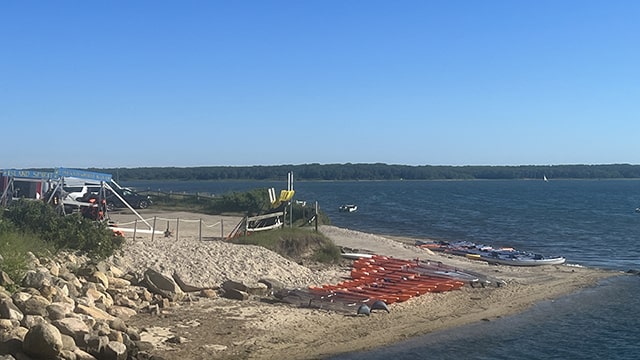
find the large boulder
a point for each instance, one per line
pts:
(93, 312)
(35, 305)
(43, 341)
(74, 327)
(36, 278)
(163, 285)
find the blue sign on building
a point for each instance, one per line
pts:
(83, 174)
(28, 174)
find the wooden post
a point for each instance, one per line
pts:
(177, 227)
(135, 227)
(200, 230)
(316, 216)
(153, 230)
(222, 228)
(246, 225)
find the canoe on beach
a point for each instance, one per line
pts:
(502, 256)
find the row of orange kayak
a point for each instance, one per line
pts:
(386, 279)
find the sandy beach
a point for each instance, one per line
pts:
(262, 328)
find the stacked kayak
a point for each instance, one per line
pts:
(388, 280)
(377, 281)
(503, 256)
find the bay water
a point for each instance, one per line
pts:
(591, 222)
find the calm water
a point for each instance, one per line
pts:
(590, 222)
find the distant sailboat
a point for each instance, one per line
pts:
(544, 177)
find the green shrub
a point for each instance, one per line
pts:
(62, 232)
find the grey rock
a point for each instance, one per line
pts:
(30, 321)
(36, 278)
(59, 310)
(272, 284)
(83, 355)
(163, 285)
(5, 280)
(68, 343)
(95, 345)
(236, 294)
(8, 310)
(43, 341)
(115, 351)
(73, 327)
(35, 305)
(256, 288)
(184, 286)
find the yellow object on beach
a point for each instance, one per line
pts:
(285, 195)
(473, 256)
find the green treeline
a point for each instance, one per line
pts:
(376, 171)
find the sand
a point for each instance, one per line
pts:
(259, 329)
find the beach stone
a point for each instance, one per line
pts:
(20, 297)
(11, 340)
(115, 351)
(35, 305)
(30, 321)
(272, 284)
(163, 285)
(122, 300)
(68, 343)
(8, 310)
(59, 310)
(115, 336)
(5, 279)
(54, 269)
(10, 345)
(76, 328)
(208, 293)
(67, 355)
(93, 312)
(49, 292)
(122, 312)
(83, 355)
(256, 288)
(99, 277)
(43, 341)
(118, 283)
(236, 294)
(35, 279)
(96, 344)
(7, 324)
(183, 286)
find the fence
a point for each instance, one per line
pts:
(175, 228)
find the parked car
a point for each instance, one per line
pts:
(134, 199)
(77, 193)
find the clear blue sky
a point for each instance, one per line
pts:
(197, 83)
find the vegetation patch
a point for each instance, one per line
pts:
(35, 227)
(295, 243)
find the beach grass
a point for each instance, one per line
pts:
(295, 243)
(15, 247)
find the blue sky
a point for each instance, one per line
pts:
(197, 83)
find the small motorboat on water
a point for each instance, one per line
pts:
(348, 208)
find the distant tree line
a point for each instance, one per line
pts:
(377, 171)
